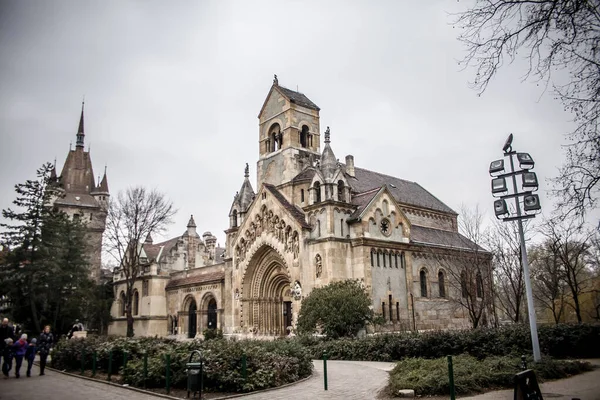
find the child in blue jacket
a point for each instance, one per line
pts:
(30, 355)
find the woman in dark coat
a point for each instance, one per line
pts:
(45, 343)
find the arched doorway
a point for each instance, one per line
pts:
(266, 301)
(192, 320)
(212, 314)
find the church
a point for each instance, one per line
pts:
(312, 220)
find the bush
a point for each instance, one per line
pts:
(555, 341)
(213, 334)
(269, 364)
(430, 377)
(340, 309)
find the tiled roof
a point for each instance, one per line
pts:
(361, 201)
(421, 234)
(296, 213)
(153, 250)
(298, 98)
(196, 279)
(405, 192)
(307, 174)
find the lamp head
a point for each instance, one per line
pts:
(508, 144)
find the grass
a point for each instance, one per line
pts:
(430, 377)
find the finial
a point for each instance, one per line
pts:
(70, 146)
(327, 135)
(98, 180)
(246, 171)
(105, 166)
(54, 162)
(275, 80)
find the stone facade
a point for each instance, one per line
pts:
(312, 221)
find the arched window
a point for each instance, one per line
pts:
(136, 303)
(423, 279)
(340, 190)
(317, 189)
(463, 284)
(304, 136)
(390, 255)
(318, 228)
(402, 260)
(384, 257)
(234, 219)
(302, 195)
(479, 280)
(275, 137)
(372, 257)
(442, 284)
(396, 260)
(122, 306)
(378, 258)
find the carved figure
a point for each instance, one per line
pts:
(237, 294)
(318, 265)
(297, 291)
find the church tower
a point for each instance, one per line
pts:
(83, 199)
(288, 135)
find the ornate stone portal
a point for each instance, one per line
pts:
(266, 301)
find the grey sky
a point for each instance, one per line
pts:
(173, 90)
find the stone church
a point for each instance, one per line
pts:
(313, 220)
(82, 198)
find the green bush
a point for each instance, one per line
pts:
(269, 364)
(430, 377)
(560, 341)
(212, 334)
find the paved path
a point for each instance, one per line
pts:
(346, 380)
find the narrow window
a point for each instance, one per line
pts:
(390, 305)
(397, 311)
(234, 219)
(396, 260)
(340, 191)
(463, 284)
(317, 189)
(378, 258)
(423, 277)
(304, 136)
(479, 285)
(402, 260)
(390, 259)
(144, 288)
(123, 301)
(384, 257)
(342, 227)
(383, 309)
(91, 216)
(302, 195)
(318, 228)
(136, 303)
(442, 284)
(372, 257)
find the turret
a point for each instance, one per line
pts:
(241, 201)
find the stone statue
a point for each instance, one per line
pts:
(318, 265)
(297, 291)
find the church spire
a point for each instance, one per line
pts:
(80, 131)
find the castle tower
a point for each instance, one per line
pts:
(84, 200)
(288, 135)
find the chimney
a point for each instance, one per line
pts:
(350, 165)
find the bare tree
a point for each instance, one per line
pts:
(132, 216)
(503, 242)
(560, 40)
(549, 287)
(571, 246)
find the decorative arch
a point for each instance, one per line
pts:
(266, 300)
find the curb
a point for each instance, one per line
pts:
(166, 396)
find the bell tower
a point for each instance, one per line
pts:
(288, 141)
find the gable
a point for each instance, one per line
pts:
(382, 205)
(273, 105)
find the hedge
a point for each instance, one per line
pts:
(560, 341)
(269, 364)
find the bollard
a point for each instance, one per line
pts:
(145, 368)
(168, 375)
(110, 354)
(82, 360)
(523, 363)
(94, 356)
(451, 378)
(325, 369)
(244, 367)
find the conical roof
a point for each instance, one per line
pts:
(246, 194)
(328, 160)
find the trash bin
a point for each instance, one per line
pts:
(194, 375)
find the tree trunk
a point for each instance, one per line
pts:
(129, 311)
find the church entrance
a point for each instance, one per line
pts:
(192, 320)
(212, 314)
(266, 303)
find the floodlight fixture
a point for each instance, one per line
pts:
(496, 167)
(525, 160)
(530, 180)
(531, 202)
(500, 208)
(499, 185)
(508, 144)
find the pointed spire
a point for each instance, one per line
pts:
(246, 171)
(327, 136)
(103, 187)
(328, 161)
(191, 223)
(148, 239)
(80, 131)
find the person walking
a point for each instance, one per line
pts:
(6, 332)
(7, 357)
(45, 343)
(30, 355)
(20, 348)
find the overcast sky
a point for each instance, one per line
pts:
(173, 90)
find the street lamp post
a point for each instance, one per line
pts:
(531, 206)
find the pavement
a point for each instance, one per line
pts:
(346, 380)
